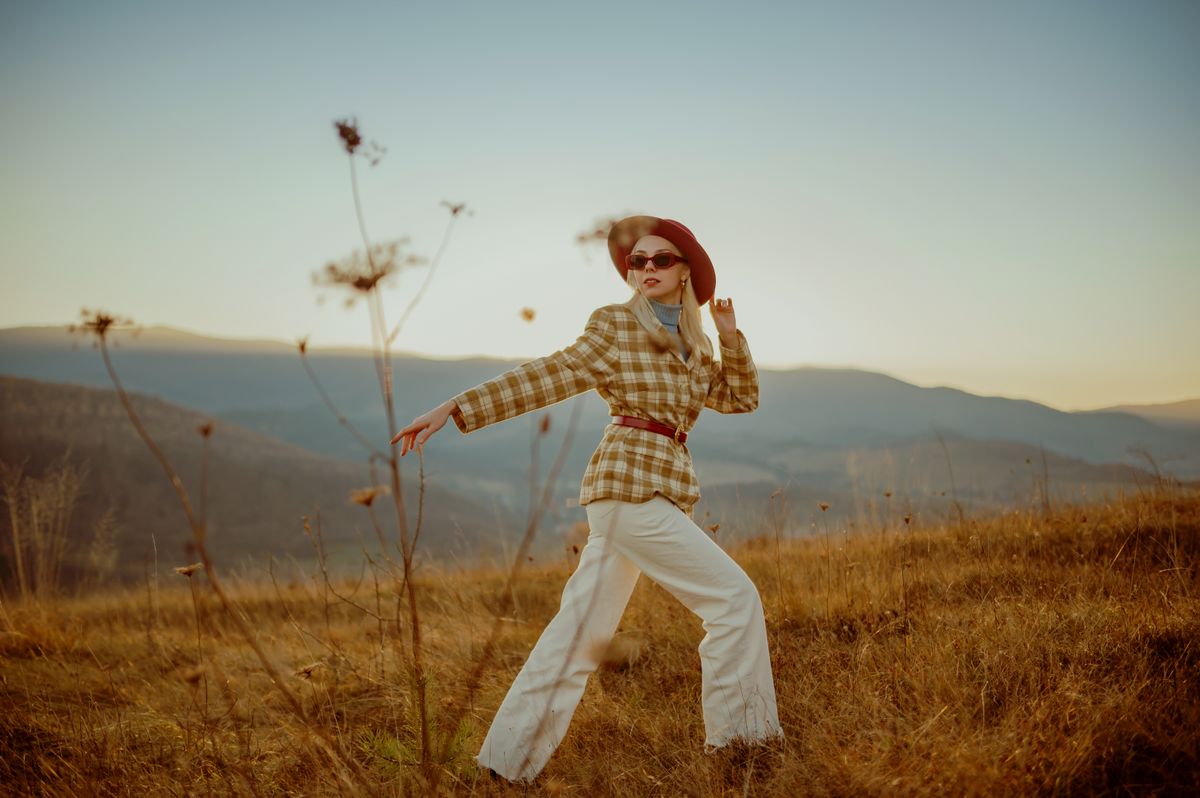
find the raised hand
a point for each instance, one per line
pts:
(723, 317)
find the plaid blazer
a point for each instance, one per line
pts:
(634, 363)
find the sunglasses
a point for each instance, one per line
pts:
(661, 260)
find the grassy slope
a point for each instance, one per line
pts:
(1022, 654)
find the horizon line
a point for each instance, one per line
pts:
(359, 349)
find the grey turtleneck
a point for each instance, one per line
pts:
(669, 316)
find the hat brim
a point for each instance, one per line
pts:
(625, 234)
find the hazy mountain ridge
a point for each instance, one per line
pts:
(816, 406)
(259, 487)
(1185, 413)
(840, 436)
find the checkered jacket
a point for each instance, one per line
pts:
(633, 362)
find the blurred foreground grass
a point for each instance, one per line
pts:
(1034, 652)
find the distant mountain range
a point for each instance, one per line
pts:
(258, 488)
(841, 436)
(1185, 414)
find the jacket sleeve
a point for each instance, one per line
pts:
(588, 363)
(734, 385)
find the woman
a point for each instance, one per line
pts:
(650, 359)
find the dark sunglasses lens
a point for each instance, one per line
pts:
(663, 260)
(637, 262)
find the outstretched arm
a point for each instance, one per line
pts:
(588, 363)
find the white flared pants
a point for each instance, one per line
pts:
(626, 539)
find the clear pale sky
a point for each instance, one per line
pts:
(999, 197)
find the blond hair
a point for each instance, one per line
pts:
(690, 326)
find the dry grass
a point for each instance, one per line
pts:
(1031, 653)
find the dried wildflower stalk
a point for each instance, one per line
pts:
(98, 324)
(363, 275)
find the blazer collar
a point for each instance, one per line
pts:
(645, 316)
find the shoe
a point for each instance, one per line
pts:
(489, 775)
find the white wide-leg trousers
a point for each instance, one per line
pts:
(626, 539)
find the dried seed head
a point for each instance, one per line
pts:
(98, 323)
(528, 314)
(618, 653)
(544, 425)
(188, 570)
(887, 494)
(306, 672)
(824, 506)
(192, 675)
(205, 429)
(348, 132)
(352, 141)
(361, 274)
(628, 235)
(597, 233)
(365, 496)
(907, 518)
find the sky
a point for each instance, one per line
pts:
(998, 197)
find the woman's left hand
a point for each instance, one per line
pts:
(722, 313)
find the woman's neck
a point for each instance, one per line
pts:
(667, 313)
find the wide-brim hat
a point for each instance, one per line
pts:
(625, 234)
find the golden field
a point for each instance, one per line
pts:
(1042, 651)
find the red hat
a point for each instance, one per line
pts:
(625, 234)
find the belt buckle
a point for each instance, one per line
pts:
(678, 430)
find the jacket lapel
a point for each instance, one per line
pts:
(647, 319)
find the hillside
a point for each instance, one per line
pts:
(1033, 653)
(258, 487)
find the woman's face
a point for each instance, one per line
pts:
(662, 285)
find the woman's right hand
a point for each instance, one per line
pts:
(416, 433)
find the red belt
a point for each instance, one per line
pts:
(675, 433)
